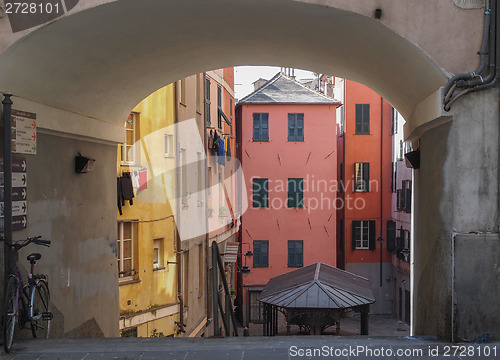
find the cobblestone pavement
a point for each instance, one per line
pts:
(245, 348)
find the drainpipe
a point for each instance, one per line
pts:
(205, 215)
(474, 81)
(381, 183)
(7, 165)
(180, 295)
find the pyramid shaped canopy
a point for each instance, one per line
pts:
(318, 286)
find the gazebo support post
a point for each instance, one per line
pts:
(364, 319)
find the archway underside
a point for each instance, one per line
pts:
(129, 49)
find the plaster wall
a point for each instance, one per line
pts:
(77, 213)
(456, 192)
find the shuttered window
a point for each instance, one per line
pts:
(261, 253)
(362, 119)
(296, 127)
(260, 191)
(295, 192)
(295, 253)
(391, 236)
(207, 102)
(260, 126)
(362, 177)
(363, 234)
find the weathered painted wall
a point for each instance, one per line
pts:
(77, 213)
(456, 193)
(148, 299)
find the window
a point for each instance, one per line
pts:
(261, 253)
(169, 145)
(361, 177)
(295, 253)
(260, 126)
(362, 119)
(125, 249)
(401, 149)
(295, 127)
(295, 192)
(260, 188)
(256, 308)
(403, 199)
(391, 236)
(363, 234)
(207, 102)
(131, 137)
(158, 253)
(219, 106)
(394, 121)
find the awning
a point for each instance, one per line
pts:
(318, 286)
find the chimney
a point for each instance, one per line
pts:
(258, 84)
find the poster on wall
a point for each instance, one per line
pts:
(23, 132)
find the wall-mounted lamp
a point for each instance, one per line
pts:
(245, 270)
(83, 164)
(412, 159)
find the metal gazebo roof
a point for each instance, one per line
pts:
(318, 286)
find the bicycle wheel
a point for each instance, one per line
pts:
(40, 314)
(10, 313)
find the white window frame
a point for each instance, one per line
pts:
(169, 145)
(126, 147)
(120, 249)
(158, 255)
(364, 240)
(360, 184)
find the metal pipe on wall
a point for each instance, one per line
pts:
(7, 165)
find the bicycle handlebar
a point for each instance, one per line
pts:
(36, 239)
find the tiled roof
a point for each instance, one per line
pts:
(318, 286)
(282, 89)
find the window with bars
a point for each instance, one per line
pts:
(361, 177)
(260, 189)
(260, 253)
(296, 127)
(126, 248)
(363, 235)
(260, 127)
(295, 253)
(295, 193)
(362, 119)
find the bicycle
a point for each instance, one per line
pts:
(34, 297)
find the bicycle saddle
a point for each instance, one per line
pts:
(34, 257)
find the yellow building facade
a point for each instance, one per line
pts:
(147, 235)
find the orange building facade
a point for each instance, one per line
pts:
(288, 152)
(365, 170)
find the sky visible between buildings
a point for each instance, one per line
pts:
(245, 76)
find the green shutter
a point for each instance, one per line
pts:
(391, 236)
(371, 232)
(366, 176)
(355, 225)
